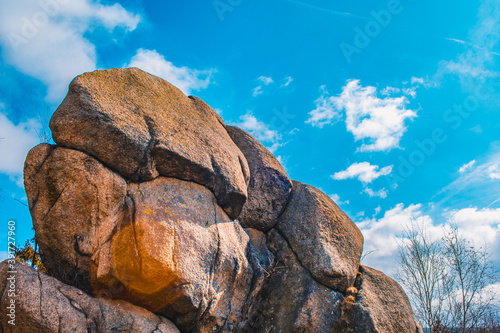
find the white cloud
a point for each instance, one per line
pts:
(494, 171)
(45, 39)
(336, 198)
(382, 236)
(261, 131)
(325, 112)
(287, 82)
(467, 166)
(364, 171)
(380, 193)
(481, 226)
(381, 121)
(265, 80)
(15, 142)
(184, 78)
(417, 80)
(257, 91)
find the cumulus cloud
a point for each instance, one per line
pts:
(46, 39)
(480, 225)
(15, 142)
(466, 167)
(380, 121)
(184, 78)
(364, 171)
(382, 236)
(261, 131)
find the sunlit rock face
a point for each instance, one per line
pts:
(147, 197)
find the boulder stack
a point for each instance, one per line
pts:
(149, 207)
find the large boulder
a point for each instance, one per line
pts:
(142, 126)
(381, 306)
(269, 189)
(46, 305)
(326, 241)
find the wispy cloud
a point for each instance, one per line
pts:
(287, 80)
(477, 185)
(324, 10)
(466, 167)
(257, 91)
(184, 78)
(475, 62)
(472, 45)
(364, 172)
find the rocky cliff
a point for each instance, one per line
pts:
(153, 215)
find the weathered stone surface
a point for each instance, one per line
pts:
(75, 203)
(326, 241)
(46, 305)
(381, 306)
(179, 254)
(291, 300)
(269, 189)
(142, 126)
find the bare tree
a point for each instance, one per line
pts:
(424, 275)
(472, 272)
(446, 280)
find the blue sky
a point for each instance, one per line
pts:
(390, 107)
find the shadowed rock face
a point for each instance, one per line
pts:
(269, 189)
(138, 202)
(324, 238)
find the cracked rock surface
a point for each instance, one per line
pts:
(149, 207)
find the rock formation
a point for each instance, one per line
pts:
(149, 211)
